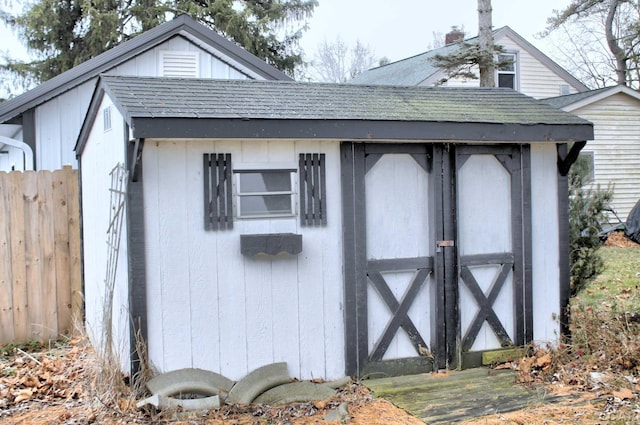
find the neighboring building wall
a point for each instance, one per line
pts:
(58, 121)
(616, 148)
(534, 78)
(103, 151)
(545, 244)
(11, 158)
(209, 306)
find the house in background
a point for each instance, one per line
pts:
(615, 150)
(39, 129)
(614, 110)
(533, 73)
(342, 229)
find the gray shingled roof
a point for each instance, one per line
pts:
(416, 69)
(562, 101)
(406, 72)
(247, 99)
(181, 25)
(236, 109)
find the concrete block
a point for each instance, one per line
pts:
(194, 381)
(257, 382)
(339, 382)
(295, 392)
(163, 402)
(341, 414)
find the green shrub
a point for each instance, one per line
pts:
(588, 208)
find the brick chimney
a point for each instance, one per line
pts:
(454, 35)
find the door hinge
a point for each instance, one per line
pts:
(440, 244)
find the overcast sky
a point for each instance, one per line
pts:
(401, 28)
(398, 28)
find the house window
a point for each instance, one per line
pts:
(587, 159)
(565, 89)
(181, 64)
(507, 75)
(265, 192)
(106, 118)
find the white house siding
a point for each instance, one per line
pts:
(58, 120)
(103, 151)
(211, 307)
(616, 147)
(545, 248)
(58, 123)
(11, 158)
(534, 78)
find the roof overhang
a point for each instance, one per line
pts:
(602, 94)
(236, 128)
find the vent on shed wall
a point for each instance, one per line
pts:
(179, 64)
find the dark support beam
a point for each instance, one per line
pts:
(136, 159)
(566, 160)
(563, 245)
(136, 262)
(29, 133)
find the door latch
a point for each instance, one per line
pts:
(440, 244)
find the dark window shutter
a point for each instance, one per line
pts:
(218, 197)
(313, 192)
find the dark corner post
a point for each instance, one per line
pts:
(136, 256)
(563, 240)
(29, 132)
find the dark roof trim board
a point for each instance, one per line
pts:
(182, 25)
(353, 130)
(193, 108)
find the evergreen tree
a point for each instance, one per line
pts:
(587, 213)
(477, 55)
(61, 34)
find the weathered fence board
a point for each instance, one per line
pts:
(40, 280)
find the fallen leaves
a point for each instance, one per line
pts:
(45, 376)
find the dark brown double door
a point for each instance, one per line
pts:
(435, 254)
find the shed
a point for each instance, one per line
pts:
(341, 229)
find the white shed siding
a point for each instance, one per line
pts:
(102, 152)
(545, 248)
(210, 307)
(616, 147)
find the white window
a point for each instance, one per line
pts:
(182, 64)
(106, 118)
(265, 192)
(507, 75)
(589, 163)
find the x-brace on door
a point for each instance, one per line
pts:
(426, 272)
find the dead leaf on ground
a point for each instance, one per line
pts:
(624, 394)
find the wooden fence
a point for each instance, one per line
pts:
(40, 278)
